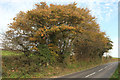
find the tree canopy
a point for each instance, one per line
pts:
(54, 32)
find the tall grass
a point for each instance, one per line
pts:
(116, 74)
(16, 65)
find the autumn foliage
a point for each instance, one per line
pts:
(54, 32)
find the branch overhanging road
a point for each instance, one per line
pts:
(102, 71)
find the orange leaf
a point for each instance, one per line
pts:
(42, 35)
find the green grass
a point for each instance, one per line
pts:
(116, 74)
(15, 65)
(11, 53)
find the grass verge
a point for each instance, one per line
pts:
(116, 74)
(16, 65)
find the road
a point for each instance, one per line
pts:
(102, 71)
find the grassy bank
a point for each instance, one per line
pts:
(16, 65)
(116, 74)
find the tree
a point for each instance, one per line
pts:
(51, 30)
(92, 45)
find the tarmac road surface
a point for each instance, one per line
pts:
(102, 71)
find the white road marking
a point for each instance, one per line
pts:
(90, 74)
(100, 70)
(109, 68)
(106, 67)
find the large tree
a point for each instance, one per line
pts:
(50, 31)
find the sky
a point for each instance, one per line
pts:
(106, 12)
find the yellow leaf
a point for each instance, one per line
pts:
(32, 39)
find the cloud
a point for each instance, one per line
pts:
(15, 1)
(107, 4)
(9, 8)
